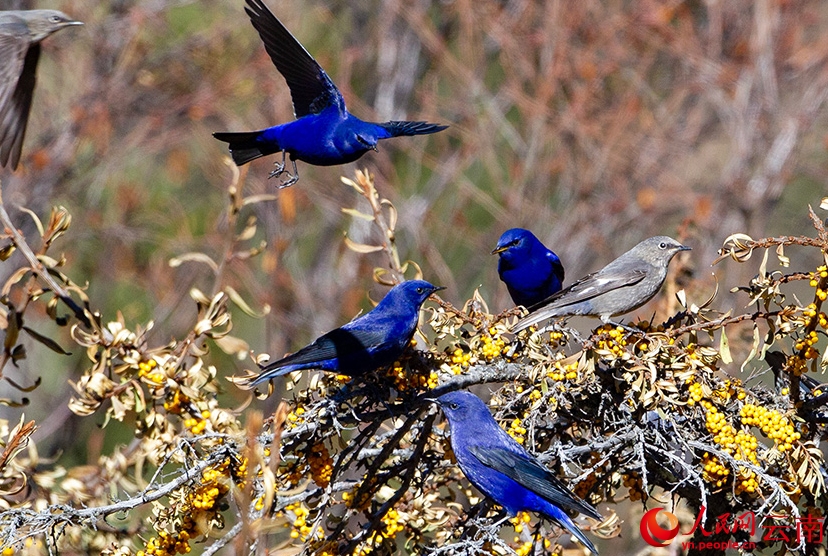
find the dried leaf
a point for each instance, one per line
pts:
(352, 183)
(15, 277)
(754, 348)
(259, 199)
(232, 345)
(249, 230)
(418, 271)
(48, 342)
(6, 251)
(18, 440)
(357, 214)
(194, 257)
(242, 304)
(12, 330)
(724, 349)
(36, 220)
(763, 266)
(784, 261)
(392, 214)
(361, 247)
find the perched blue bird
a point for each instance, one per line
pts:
(503, 470)
(324, 133)
(530, 271)
(373, 340)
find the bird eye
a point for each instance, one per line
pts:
(420, 290)
(662, 245)
(453, 405)
(54, 19)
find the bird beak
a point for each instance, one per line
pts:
(685, 248)
(431, 401)
(497, 250)
(68, 23)
(438, 288)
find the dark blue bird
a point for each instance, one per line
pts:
(530, 271)
(503, 470)
(374, 340)
(324, 133)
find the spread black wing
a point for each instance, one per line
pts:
(310, 87)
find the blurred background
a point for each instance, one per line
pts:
(595, 124)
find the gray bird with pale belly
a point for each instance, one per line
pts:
(623, 285)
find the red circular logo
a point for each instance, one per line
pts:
(653, 533)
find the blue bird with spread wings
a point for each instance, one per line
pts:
(324, 133)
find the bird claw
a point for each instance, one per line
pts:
(290, 181)
(280, 169)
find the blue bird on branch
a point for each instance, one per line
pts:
(530, 271)
(503, 470)
(369, 342)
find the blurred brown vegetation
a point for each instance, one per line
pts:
(594, 124)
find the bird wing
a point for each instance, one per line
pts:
(13, 45)
(310, 87)
(338, 343)
(530, 474)
(556, 264)
(14, 108)
(592, 285)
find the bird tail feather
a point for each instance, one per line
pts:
(573, 529)
(268, 372)
(397, 129)
(533, 318)
(244, 145)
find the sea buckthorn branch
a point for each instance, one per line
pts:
(19, 524)
(717, 324)
(226, 538)
(777, 496)
(41, 268)
(58, 224)
(359, 465)
(364, 186)
(405, 474)
(372, 471)
(352, 450)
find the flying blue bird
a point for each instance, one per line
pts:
(530, 271)
(503, 470)
(324, 132)
(369, 342)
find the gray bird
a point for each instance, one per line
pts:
(20, 36)
(625, 284)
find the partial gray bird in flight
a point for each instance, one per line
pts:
(20, 36)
